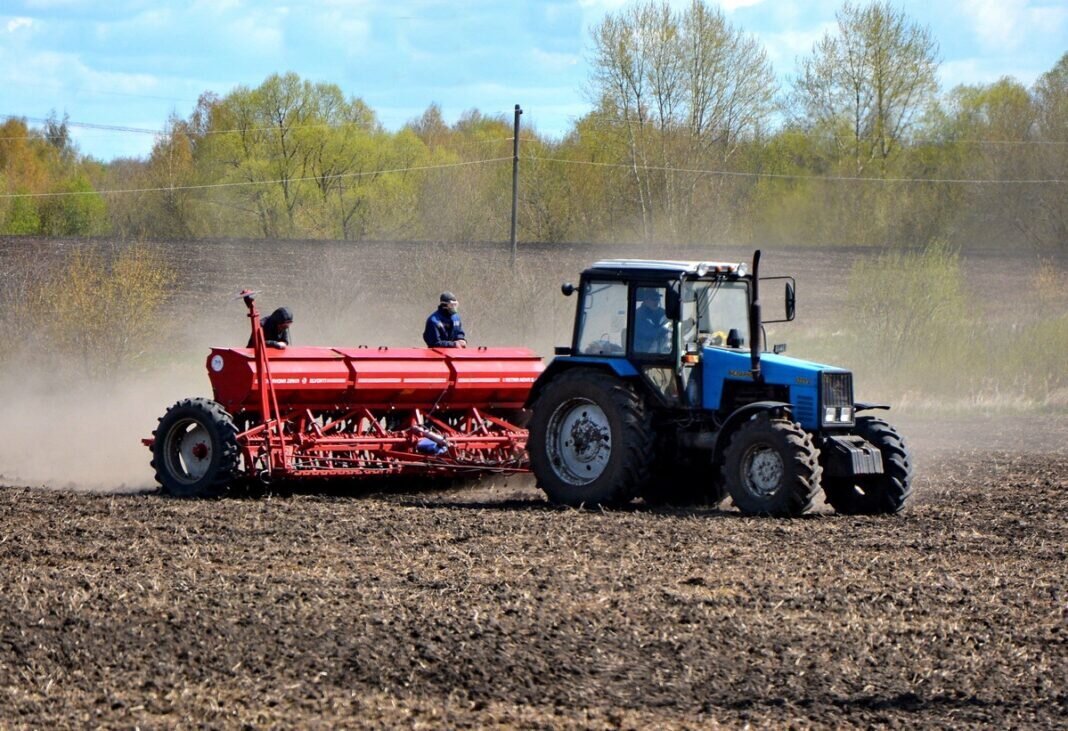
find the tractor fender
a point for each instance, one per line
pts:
(864, 406)
(739, 417)
(616, 366)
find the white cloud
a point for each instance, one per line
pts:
(1004, 25)
(984, 70)
(117, 83)
(348, 33)
(15, 23)
(784, 47)
(52, 4)
(731, 5)
(258, 35)
(69, 75)
(963, 71)
(554, 62)
(996, 22)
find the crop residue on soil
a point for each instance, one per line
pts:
(486, 607)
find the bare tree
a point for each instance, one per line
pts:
(682, 85)
(867, 82)
(1048, 225)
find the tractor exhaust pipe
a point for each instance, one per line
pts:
(756, 324)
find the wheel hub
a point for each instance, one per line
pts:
(587, 437)
(579, 441)
(187, 451)
(763, 470)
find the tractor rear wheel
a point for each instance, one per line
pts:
(771, 467)
(591, 439)
(195, 452)
(875, 494)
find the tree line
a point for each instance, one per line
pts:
(691, 139)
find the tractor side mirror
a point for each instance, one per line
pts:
(567, 288)
(791, 300)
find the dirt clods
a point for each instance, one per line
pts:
(486, 607)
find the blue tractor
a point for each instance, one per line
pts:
(666, 393)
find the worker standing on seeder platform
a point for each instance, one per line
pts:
(443, 327)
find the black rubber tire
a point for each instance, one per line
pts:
(791, 452)
(883, 494)
(626, 469)
(222, 456)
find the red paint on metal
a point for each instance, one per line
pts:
(353, 412)
(425, 378)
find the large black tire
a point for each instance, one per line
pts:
(875, 494)
(591, 439)
(771, 467)
(195, 452)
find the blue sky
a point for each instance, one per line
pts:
(132, 63)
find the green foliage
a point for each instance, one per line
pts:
(75, 209)
(907, 306)
(44, 166)
(22, 217)
(910, 332)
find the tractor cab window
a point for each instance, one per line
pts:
(652, 328)
(718, 308)
(602, 326)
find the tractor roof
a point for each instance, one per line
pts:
(668, 268)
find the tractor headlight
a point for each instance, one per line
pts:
(838, 415)
(836, 396)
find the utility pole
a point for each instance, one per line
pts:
(515, 181)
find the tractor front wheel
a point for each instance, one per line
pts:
(771, 467)
(195, 452)
(875, 494)
(591, 439)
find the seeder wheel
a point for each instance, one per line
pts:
(195, 451)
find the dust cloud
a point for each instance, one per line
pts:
(63, 431)
(62, 428)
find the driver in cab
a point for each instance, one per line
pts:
(651, 327)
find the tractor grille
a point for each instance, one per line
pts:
(837, 389)
(805, 409)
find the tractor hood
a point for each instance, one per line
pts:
(803, 378)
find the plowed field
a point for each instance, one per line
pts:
(486, 607)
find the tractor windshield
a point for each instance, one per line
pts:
(602, 324)
(712, 309)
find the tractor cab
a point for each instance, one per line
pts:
(657, 317)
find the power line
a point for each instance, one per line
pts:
(87, 125)
(246, 183)
(612, 120)
(784, 176)
(609, 119)
(159, 132)
(443, 166)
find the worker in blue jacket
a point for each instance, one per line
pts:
(443, 327)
